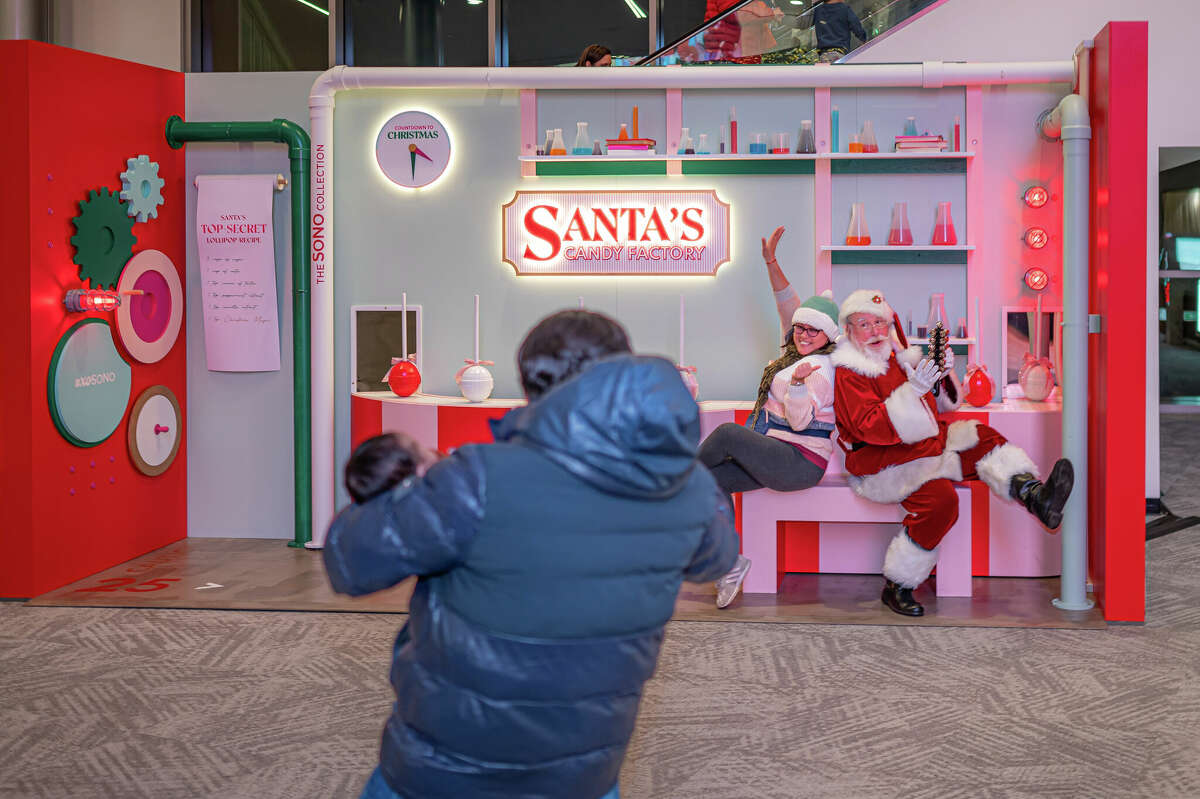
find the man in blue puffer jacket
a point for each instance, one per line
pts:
(549, 563)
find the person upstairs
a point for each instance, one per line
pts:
(548, 564)
(833, 22)
(898, 451)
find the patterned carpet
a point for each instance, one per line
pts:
(204, 704)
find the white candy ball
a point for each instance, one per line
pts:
(476, 383)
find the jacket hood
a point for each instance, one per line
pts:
(625, 424)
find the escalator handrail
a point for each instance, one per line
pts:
(702, 26)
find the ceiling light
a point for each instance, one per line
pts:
(636, 9)
(313, 7)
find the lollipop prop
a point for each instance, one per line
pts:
(403, 378)
(474, 380)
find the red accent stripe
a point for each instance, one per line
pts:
(800, 546)
(366, 420)
(1117, 363)
(981, 501)
(457, 426)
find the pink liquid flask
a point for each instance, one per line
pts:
(943, 228)
(899, 233)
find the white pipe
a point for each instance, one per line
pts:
(1069, 121)
(931, 74)
(324, 472)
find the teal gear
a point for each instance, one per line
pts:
(141, 188)
(103, 238)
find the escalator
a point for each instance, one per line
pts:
(775, 32)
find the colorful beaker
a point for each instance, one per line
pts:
(857, 234)
(943, 227)
(899, 233)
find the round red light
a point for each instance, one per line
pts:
(1036, 238)
(1037, 279)
(1036, 196)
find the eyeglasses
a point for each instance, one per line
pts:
(804, 331)
(881, 325)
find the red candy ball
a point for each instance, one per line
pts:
(404, 379)
(979, 388)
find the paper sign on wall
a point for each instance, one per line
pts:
(236, 245)
(616, 232)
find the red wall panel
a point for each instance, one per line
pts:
(1117, 355)
(117, 111)
(15, 442)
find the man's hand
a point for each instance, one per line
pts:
(924, 375)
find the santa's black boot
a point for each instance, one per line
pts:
(1045, 500)
(900, 599)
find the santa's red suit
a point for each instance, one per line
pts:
(898, 451)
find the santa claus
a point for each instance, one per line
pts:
(887, 398)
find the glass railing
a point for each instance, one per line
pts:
(784, 32)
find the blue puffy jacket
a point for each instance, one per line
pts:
(549, 563)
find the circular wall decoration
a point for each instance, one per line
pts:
(149, 322)
(413, 149)
(155, 430)
(89, 384)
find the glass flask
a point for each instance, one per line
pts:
(808, 140)
(867, 137)
(899, 233)
(558, 146)
(583, 142)
(943, 227)
(857, 234)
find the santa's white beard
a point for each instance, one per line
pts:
(878, 350)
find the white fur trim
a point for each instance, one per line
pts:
(814, 318)
(999, 466)
(911, 356)
(863, 301)
(906, 563)
(849, 356)
(962, 435)
(896, 483)
(944, 404)
(910, 415)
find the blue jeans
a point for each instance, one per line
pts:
(377, 788)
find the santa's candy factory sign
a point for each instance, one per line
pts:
(616, 232)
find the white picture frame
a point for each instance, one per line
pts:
(394, 307)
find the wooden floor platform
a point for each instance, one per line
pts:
(265, 574)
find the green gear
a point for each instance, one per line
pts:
(103, 238)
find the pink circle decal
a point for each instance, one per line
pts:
(151, 312)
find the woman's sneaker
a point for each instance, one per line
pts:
(729, 585)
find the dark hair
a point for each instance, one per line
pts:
(378, 464)
(790, 356)
(561, 344)
(591, 54)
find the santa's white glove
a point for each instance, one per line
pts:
(923, 376)
(949, 359)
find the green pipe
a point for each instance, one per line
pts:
(299, 152)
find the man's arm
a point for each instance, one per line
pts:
(423, 526)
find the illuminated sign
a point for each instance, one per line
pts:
(413, 149)
(616, 232)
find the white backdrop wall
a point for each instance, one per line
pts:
(1035, 30)
(442, 245)
(239, 425)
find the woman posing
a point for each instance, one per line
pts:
(785, 444)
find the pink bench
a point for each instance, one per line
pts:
(852, 532)
(852, 540)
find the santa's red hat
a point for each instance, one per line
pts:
(868, 301)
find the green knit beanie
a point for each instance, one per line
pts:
(820, 312)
